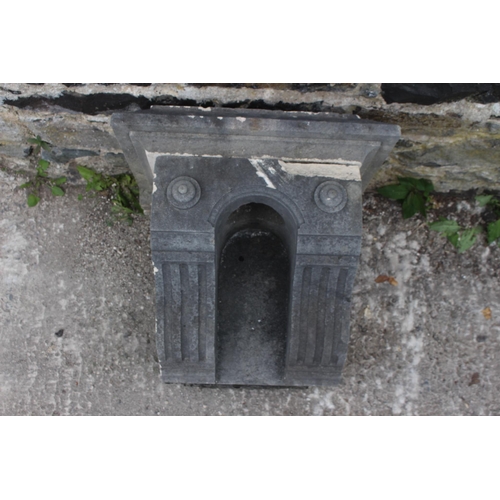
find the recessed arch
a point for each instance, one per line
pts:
(254, 247)
(284, 205)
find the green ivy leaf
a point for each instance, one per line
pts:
(32, 200)
(59, 181)
(42, 168)
(453, 239)
(408, 181)
(57, 191)
(80, 197)
(467, 239)
(484, 199)
(425, 186)
(493, 231)
(44, 164)
(445, 226)
(394, 191)
(413, 203)
(40, 143)
(25, 185)
(86, 173)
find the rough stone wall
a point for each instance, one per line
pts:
(450, 132)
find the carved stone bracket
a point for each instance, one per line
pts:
(209, 175)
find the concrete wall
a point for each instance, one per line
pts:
(450, 132)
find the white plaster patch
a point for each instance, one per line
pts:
(261, 173)
(339, 170)
(154, 187)
(220, 118)
(241, 119)
(155, 270)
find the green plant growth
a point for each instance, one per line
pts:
(413, 193)
(464, 238)
(415, 197)
(41, 178)
(493, 228)
(460, 237)
(123, 190)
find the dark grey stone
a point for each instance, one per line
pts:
(64, 155)
(433, 93)
(256, 236)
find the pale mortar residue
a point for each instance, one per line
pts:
(308, 160)
(322, 402)
(154, 187)
(241, 119)
(261, 173)
(153, 155)
(12, 245)
(220, 118)
(339, 170)
(155, 270)
(399, 401)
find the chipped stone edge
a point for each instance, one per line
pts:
(341, 169)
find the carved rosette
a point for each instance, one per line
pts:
(183, 192)
(330, 196)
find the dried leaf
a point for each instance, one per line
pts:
(486, 312)
(474, 379)
(383, 278)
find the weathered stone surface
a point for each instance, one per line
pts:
(434, 135)
(413, 350)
